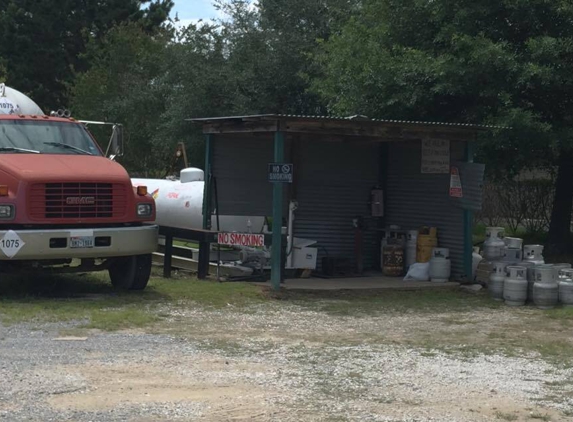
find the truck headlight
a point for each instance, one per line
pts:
(144, 210)
(6, 212)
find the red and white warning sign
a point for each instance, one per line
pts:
(455, 183)
(241, 239)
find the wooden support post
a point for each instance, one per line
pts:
(207, 187)
(168, 256)
(203, 264)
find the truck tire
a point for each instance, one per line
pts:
(131, 272)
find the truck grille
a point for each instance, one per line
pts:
(77, 200)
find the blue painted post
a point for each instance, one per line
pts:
(468, 223)
(276, 255)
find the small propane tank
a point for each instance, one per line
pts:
(512, 255)
(476, 259)
(533, 253)
(393, 260)
(494, 244)
(528, 267)
(427, 241)
(531, 269)
(513, 242)
(496, 280)
(411, 244)
(440, 265)
(557, 269)
(545, 288)
(515, 286)
(566, 288)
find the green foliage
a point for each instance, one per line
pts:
(503, 63)
(252, 61)
(123, 85)
(43, 41)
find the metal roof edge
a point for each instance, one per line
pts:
(358, 118)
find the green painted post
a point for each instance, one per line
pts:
(468, 223)
(207, 186)
(276, 255)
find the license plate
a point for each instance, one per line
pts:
(81, 242)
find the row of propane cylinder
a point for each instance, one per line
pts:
(402, 249)
(519, 274)
(544, 285)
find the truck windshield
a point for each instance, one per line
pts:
(46, 137)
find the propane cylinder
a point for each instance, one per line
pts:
(531, 277)
(393, 260)
(411, 245)
(179, 203)
(496, 280)
(557, 269)
(427, 241)
(513, 242)
(566, 288)
(14, 102)
(440, 265)
(494, 244)
(513, 251)
(512, 255)
(533, 253)
(528, 266)
(545, 288)
(515, 286)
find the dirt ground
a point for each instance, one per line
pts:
(311, 359)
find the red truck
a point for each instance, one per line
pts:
(64, 206)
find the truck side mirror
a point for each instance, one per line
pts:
(115, 148)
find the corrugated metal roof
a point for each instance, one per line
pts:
(357, 118)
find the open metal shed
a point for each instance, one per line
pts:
(337, 163)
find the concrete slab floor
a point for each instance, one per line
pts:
(361, 283)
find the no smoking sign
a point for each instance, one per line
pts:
(280, 172)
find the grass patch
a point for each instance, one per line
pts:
(92, 301)
(364, 303)
(540, 416)
(506, 416)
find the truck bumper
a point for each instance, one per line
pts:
(57, 244)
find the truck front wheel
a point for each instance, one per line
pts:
(130, 272)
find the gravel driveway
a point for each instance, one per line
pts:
(274, 362)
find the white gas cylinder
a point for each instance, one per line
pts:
(180, 205)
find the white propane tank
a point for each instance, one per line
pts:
(440, 265)
(515, 286)
(494, 244)
(14, 102)
(411, 245)
(180, 204)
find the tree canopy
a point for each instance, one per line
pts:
(44, 41)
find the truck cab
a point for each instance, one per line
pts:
(64, 206)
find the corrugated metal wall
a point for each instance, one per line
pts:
(414, 199)
(240, 165)
(333, 183)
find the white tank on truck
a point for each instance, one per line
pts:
(14, 102)
(180, 204)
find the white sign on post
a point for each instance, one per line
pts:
(241, 239)
(435, 156)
